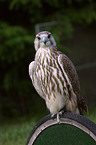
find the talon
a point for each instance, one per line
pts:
(61, 113)
(53, 115)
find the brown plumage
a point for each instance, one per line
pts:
(72, 74)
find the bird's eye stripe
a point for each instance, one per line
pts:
(49, 35)
(38, 37)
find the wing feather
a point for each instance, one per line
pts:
(71, 72)
(73, 77)
(35, 80)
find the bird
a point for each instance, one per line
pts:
(55, 78)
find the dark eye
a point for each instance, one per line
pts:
(38, 37)
(49, 35)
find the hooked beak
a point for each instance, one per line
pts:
(44, 39)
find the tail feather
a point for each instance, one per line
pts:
(82, 106)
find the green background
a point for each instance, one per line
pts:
(75, 35)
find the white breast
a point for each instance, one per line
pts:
(52, 85)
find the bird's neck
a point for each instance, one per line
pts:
(48, 51)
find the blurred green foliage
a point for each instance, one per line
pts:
(17, 32)
(15, 49)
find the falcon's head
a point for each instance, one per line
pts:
(44, 39)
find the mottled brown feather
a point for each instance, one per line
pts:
(73, 77)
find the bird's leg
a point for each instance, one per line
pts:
(58, 115)
(58, 119)
(53, 115)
